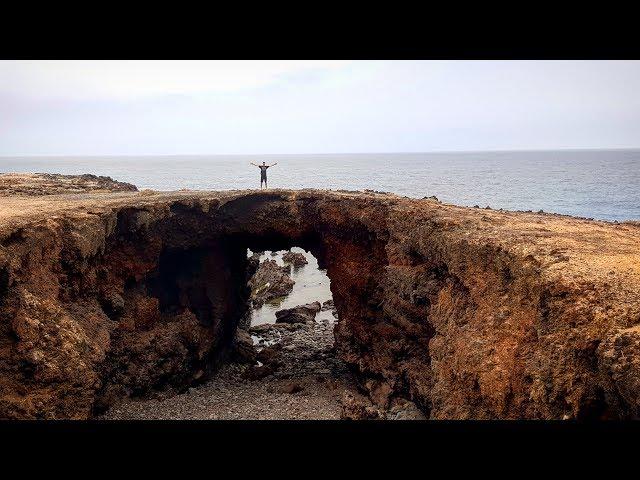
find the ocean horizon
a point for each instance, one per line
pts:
(598, 183)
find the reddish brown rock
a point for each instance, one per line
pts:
(258, 372)
(269, 355)
(467, 313)
(358, 407)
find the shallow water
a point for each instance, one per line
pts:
(311, 284)
(604, 184)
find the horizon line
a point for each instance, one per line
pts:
(565, 149)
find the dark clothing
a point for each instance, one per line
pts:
(263, 172)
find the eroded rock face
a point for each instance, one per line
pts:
(467, 313)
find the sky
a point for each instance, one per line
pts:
(279, 107)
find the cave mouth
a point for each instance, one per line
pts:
(255, 367)
(181, 304)
(183, 317)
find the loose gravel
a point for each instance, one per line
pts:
(307, 384)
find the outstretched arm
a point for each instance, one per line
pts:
(273, 164)
(253, 164)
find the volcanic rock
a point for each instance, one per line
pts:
(113, 304)
(269, 282)
(243, 348)
(269, 355)
(328, 305)
(257, 372)
(466, 312)
(34, 184)
(295, 258)
(299, 314)
(358, 407)
(404, 410)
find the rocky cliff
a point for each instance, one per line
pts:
(469, 313)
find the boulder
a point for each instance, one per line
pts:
(358, 407)
(243, 349)
(270, 281)
(314, 306)
(112, 304)
(328, 305)
(261, 328)
(299, 314)
(269, 355)
(296, 259)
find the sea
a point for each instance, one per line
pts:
(600, 184)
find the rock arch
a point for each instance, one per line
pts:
(463, 311)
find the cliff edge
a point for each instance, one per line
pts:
(469, 313)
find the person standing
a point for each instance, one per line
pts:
(263, 172)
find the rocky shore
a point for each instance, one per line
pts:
(35, 184)
(444, 312)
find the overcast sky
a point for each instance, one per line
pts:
(259, 107)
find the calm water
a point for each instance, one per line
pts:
(603, 184)
(311, 284)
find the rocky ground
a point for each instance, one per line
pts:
(35, 184)
(303, 380)
(278, 371)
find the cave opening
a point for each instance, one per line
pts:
(257, 362)
(189, 312)
(166, 282)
